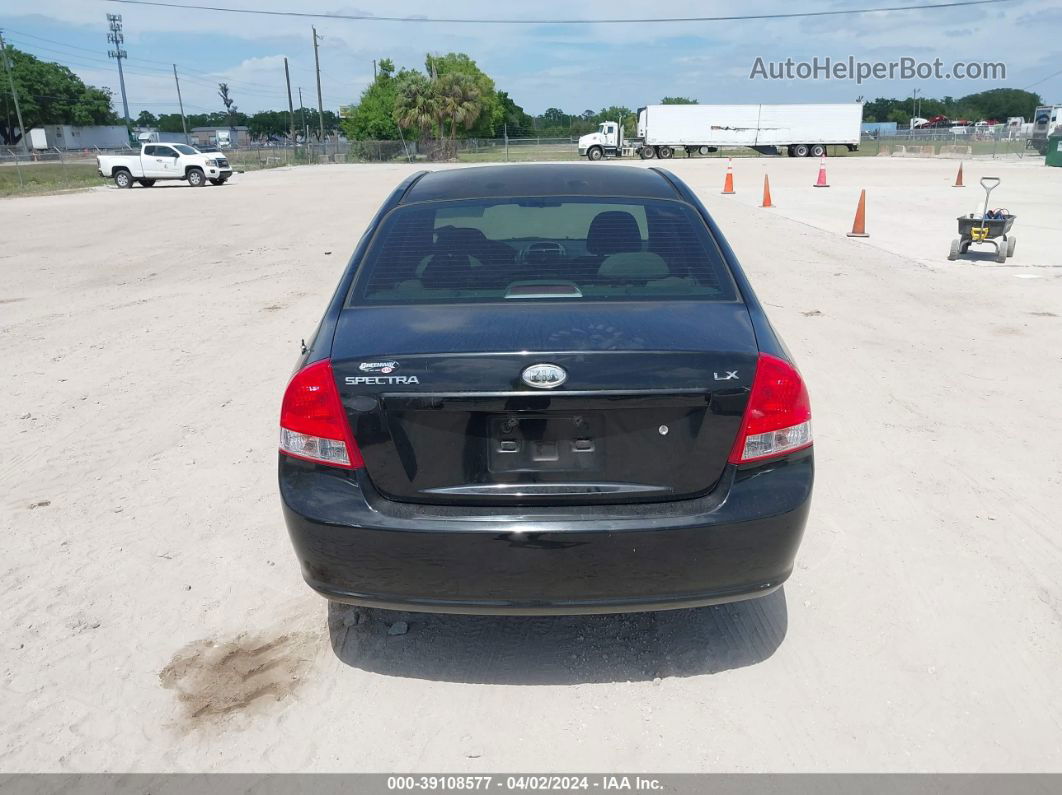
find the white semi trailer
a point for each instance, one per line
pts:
(802, 130)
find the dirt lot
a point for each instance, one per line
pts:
(151, 610)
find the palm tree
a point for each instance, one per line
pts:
(229, 102)
(416, 104)
(460, 102)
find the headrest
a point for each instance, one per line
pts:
(613, 232)
(634, 266)
(459, 237)
(447, 271)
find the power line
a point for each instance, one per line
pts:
(87, 62)
(52, 41)
(1043, 79)
(75, 100)
(142, 62)
(612, 21)
(94, 62)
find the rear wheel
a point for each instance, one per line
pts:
(647, 153)
(800, 150)
(594, 153)
(1011, 243)
(1001, 251)
(704, 150)
(196, 178)
(818, 150)
(956, 248)
(123, 179)
(664, 152)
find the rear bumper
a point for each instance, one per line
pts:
(736, 543)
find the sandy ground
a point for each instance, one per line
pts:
(152, 617)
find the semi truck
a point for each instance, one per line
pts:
(802, 130)
(72, 137)
(1047, 121)
(159, 137)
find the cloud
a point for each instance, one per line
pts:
(568, 66)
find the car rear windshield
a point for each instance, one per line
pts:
(550, 248)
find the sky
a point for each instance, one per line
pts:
(571, 66)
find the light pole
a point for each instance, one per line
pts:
(116, 38)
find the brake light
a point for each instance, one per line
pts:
(778, 415)
(313, 425)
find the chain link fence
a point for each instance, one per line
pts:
(988, 144)
(41, 171)
(55, 169)
(464, 150)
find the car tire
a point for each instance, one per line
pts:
(594, 153)
(647, 153)
(664, 152)
(1011, 243)
(818, 150)
(801, 150)
(956, 248)
(147, 183)
(123, 179)
(196, 178)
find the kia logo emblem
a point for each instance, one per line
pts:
(544, 376)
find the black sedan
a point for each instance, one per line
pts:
(544, 389)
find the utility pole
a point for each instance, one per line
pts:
(302, 112)
(291, 110)
(116, 38)
(180, 103)
(374, 70)
(320, 104)
(11, 80)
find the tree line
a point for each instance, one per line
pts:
(454, 98)
(265, 125)
(48, 93)
(451, 98)
(997, 104)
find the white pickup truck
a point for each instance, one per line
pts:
(165, 161)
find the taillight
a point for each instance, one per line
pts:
(313, 425)
(778, 415)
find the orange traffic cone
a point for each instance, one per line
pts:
(859, 226)
(821, 181)
(958, 179)
(766, 192)
(728, 183)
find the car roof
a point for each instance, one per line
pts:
(545, 179)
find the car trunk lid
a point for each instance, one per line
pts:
(649, 410)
